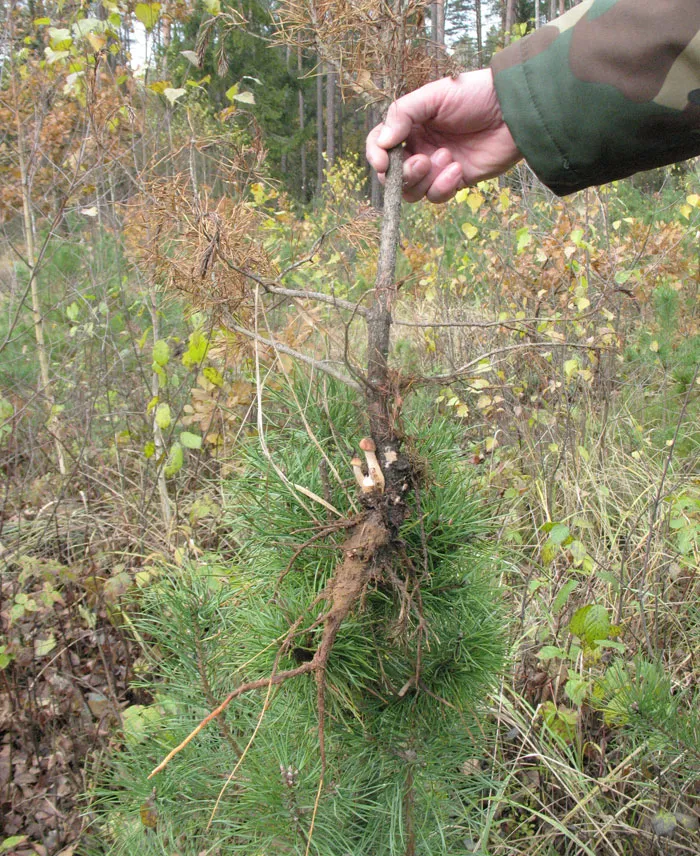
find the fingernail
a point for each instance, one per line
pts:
(385, 137)
(441, 158)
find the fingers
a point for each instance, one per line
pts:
(377, 156)
(425, 174)
(446, 184)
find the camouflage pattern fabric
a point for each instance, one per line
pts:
(610, 88)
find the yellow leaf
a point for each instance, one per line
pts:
(654, 346)
(570, 368)
(469, 230)
(693, 200)
(97, 42)
(504, 198)
(475, 201)
(685, 211)
(490, 444)
(483, 402)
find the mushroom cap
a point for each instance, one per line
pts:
(355, 462)
(367, 444)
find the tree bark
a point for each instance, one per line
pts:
(379, 393)
(440, 25)
(301, 128)
(319, 127)
(330, 117)
(509, 20)
(479, 32)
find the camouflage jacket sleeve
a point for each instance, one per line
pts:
(610, 88)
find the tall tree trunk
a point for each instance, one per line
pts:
(509, 21)
(301, 128)
(479, 33)
(319, 127)
(562, 7)
(330, 116)
(440, 24)
(537, 14)
(54, 421)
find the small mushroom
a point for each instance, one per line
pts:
(356, 465)
(375, 471)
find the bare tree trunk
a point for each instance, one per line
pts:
(330, 116)
(301, 128)
(562, 7)
(319, 127)
(509, 21)
(440, 24)
(479, 32)
(379, 318)
(54, 422)
(537, 14)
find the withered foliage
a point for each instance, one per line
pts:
(203, 246)
(380, 50)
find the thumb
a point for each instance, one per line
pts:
(416, 108)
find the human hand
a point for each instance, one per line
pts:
(454, 134)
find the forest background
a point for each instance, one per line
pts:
(186, 245)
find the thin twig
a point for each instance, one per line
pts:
(321, 366)
(497, 352)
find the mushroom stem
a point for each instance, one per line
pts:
(356, 465)
(375, 471)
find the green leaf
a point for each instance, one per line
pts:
(578, 552)
(161, 352)
(558, 533)
(138, 720)
(149, 449)
(173, 94)
(190, 441)
(176, 458)
(42, 647)
(197, 350)
(42, 22)
(577, 690)
(83, 26)
(53, 56)
(148, 14)
(245, 97)
(523, 238)
(232, 91)
(549, 652)
(59, 39)
(163, 416)
(571, 368)
(73, 311)
(5, 658)
(611, 643)
(563, 595)
(213, 375)
(213, 6)
(591, 623)
(12, 842)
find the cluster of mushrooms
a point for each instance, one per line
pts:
(374, 480)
